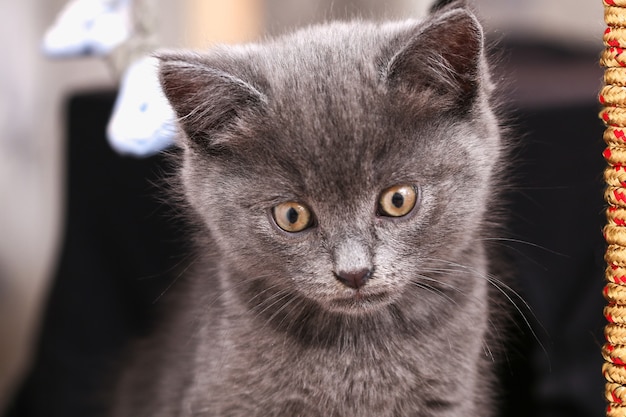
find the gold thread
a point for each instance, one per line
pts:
(615, 76)
(615, 334)
(615, 177)
(615, 37)
(614, 16)
(615, 116)
(615, 136)
(615, 393)
(613, 95)
(616, 196)
(615, 275)
(614, 373)
(614, 215)
(616, 410)
(615, 313)
(612, 57)
(614, 354)
(615, 235)
(615, 155)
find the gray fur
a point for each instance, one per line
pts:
(330, 116)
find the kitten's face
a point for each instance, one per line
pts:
(337, 166)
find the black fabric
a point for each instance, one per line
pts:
(557, 216)
(122, 249)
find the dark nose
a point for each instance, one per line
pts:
(354, 279)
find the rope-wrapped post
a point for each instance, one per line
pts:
(613, 98)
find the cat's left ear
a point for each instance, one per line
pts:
(441, 62)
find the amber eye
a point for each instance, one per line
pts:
(292, 217)
(397, 201)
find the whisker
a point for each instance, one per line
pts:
(437, 291)
(505, 290)
(526, 243)
(176, 279)
(280, 309)
(277, 298)
(201, 314)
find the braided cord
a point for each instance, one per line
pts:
(613, 98)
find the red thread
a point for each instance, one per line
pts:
(614, 43)
(619, 134)
(607, 31)
(610, 348)
(606, 292)
(605, 116)
(610, 2)
(616, 399)
(607, 153)
(618, 361)
(619, 196)
(601, 98)
(609, 318)
(612, 209)
(617, 51)
(620, 222)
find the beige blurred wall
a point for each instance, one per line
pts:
(578, 23)
(231, 21)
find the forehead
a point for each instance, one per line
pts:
(326, 109)
(329, 121)
(336, 154)
(338, 136)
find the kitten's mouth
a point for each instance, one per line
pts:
(360, 300)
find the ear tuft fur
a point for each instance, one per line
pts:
(206, 99)
(441, 60)
(444, 5)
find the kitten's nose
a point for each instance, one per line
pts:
(354, 279)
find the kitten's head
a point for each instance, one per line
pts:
(344, 164)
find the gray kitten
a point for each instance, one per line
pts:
(342, 178)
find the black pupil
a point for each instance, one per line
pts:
(397, 200)
(292, 215)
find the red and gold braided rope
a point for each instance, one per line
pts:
(613, 98)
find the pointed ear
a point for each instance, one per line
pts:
(207, 100)
(443, 5)
(441, 62)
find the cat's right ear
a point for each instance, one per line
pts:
(207, 100)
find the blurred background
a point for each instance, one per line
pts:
(548, 53)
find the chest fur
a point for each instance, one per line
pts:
(250, 373)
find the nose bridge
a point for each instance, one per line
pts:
(349, 236)
(352, 254)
